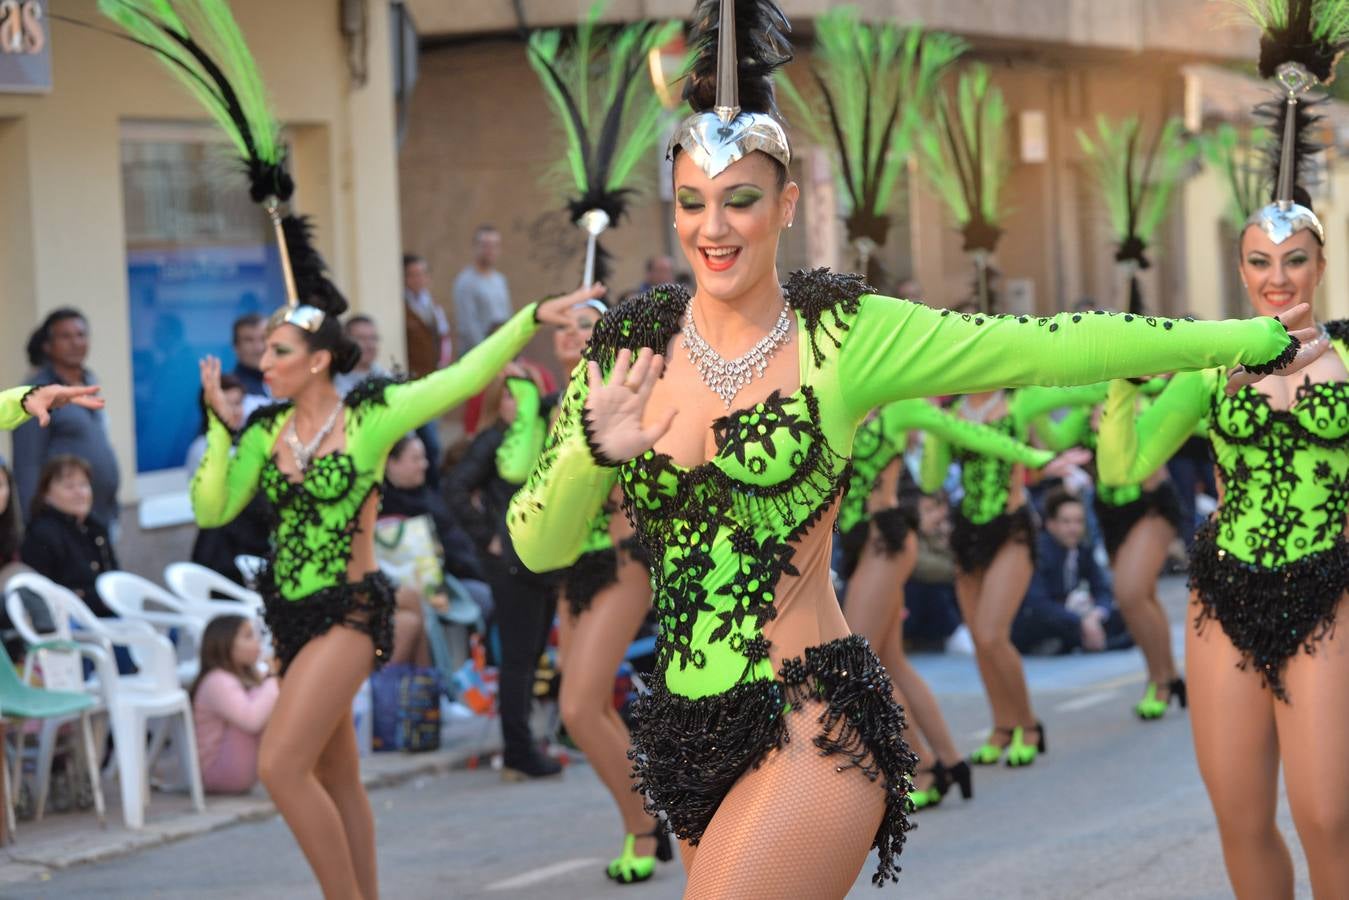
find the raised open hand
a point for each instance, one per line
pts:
(1060, 465)
(42, 401)
(1300, 325)
(614, 410)
(554, 311)
(210, 387)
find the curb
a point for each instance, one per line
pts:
(20, 862)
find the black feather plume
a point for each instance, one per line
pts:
(1275, 113)
(761, 47)
(1309, 32)
(312, 286)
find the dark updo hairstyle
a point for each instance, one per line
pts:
(37, 341)
(761, 47)
(314, 289)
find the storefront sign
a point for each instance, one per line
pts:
(25, 47)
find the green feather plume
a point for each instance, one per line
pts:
(965, 149)
(200, 42)
(1329, 18)
(597, 85)
(875, 82)
(1236, 156)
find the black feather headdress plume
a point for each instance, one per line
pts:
(609, 112)
(1304, 147)
(1312, 33)
(761, 47)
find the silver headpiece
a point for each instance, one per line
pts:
(716, 138)
(1284, 217)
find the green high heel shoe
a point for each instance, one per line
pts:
(929, 796)
(1020, 753)
(989, 754)
(629, 868)
(1152, 707)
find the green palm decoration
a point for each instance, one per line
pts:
(610, 115)
(967, 163)
(1236, 157)
(875, 83)
(1136, 177)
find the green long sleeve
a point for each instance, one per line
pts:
(523, 440)
(566, 489)
(225, 481)
(936, 463)
(1031, 408)
(898, 349)
(412, 404)
(908, 415)
(1132, 446)
(12, 413)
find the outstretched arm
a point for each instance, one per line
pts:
(896, 349)
(1132, 446)
(952, 430)
(523, 441)
(12, 413)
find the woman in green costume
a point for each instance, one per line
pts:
(881, 549)
(18, 405)
(993, 536)
(770, 738)
(1267, 670)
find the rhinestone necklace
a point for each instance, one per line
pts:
(304, 453)
(727, 376)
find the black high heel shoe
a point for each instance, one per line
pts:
(629, 868)
(1152, 707)
(1020, 753)
(960, 774)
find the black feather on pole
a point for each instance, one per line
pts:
(761, 46)
(1297, 35)
(1275, 113)
(312, 286)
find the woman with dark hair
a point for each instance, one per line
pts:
(231, 704)
(11, 524)
(770, 737)
(64, 540)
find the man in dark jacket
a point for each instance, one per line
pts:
(1070, 604)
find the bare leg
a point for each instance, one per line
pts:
(1314, 740)
(315, 700)
(968, 588)
(409, 635)
(1237, 747)
(1004, 586)
(597, 642)
(1137, 564)
(794, 827)
(875, 609)
(339, 771)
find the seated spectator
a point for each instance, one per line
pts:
(406, 494)
(230, 705)
(246, 534)
(930, 595)
(1070, 604)
(64, 541)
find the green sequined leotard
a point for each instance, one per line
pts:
(12, 413)
(881, 439)
(307, 584)
(1272, 566)
(983, 523)
(722, 536)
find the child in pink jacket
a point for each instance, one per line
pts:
(230, 705)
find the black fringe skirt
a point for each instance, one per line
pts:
(1268, 614)
(687, 753)
(975, 546)
(1117, 521)
(595, 571)
(366, 605)
(891, 527)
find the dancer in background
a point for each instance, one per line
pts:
(1267, 668)
(770, 738)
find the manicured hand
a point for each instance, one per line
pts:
(615, 409)
(554, 311)
(42, 401)
(210, 386)
(1300, 325)
(1059, 466)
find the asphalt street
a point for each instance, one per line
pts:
(1114, 810)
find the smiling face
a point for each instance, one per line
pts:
(570, 339)
(288, 363)
(728, 226)
(1278, 276)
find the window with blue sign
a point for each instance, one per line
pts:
(199, 255)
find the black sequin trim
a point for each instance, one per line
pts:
(687, 753)
(1283, 359)
(1268, 613)
(1117, 521)
(23, 401)
(366, 605)
(975, 546)
(590, 574)
(816, 293)
(588, 429)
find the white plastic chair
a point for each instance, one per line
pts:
(131, 700)
(196, 584)
(138, 599)
(249, 566)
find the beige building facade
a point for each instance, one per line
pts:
(115, 162)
